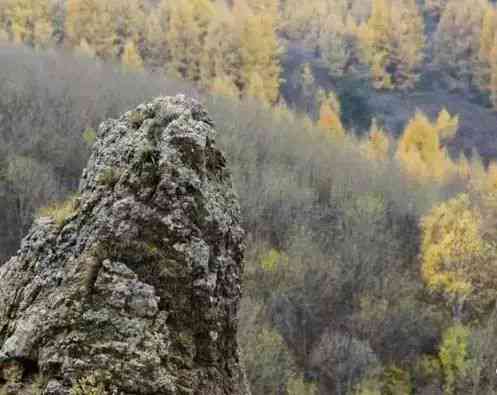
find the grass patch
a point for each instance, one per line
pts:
(60, 211)
(136, 119)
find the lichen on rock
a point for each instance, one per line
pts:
(139, 287)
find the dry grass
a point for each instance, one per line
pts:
(59, 211)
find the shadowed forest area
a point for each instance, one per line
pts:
(355, 132)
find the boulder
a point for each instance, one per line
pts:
(133, 285)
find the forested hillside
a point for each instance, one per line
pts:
(354, 131)
(430, 53)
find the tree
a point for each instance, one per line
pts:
(30, 21)
(464, 168)
(224, 86)
(308, 97)
(483, 190)
(260, 58)
(131, 58)
(377, 146)
(312, 21)
(493, 74)
(343, 359)
(329, 117)
(254, 88)
(188, 26)
(435, 7)
(338, 44)
(298, 386)
(282, 113)
(456, 41)
(488, 31)
(85, 49)
(446, 125)
(456, 260)
(32, 185)
(307, 81)
(297, 17)
(377, 43)
(222, 55)
(93, 21)
(420, 149)
(266, 7)
(454, 356)
(487, 40)
(267, 361)
(408, 25)
(155, 45)
(392, 43)
(129, 22)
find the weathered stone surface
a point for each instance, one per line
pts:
(139, 287)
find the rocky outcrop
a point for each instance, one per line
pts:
(134, 284)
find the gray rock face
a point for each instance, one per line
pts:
(136, 285)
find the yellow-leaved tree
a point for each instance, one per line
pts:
(483, 188)
(487, 41)
(454, 357)
(456, 259)
(30, 21)
(260, 58)
(377, 145)
(408, 26)
(224, 86)
(421, 152)
(155, 48)
(376, 39)
(492, 87)
(329, 117)
(266, 7)
(131, 59)
(187, 28)
(93, 22)
(392, 43)
(85, 49)
(129, 22)
(222, 56)
(446, 125)
(338, 43)
(464, 168)
(297, 17)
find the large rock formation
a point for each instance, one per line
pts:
(135, 283)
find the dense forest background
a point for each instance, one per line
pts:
(361, 137)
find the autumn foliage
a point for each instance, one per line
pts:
(394, 238)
